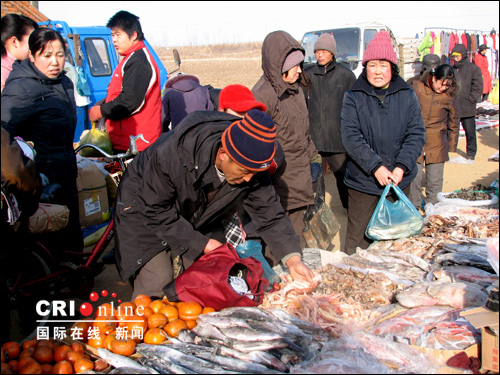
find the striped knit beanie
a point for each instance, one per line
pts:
(250, 141)
(380, 48)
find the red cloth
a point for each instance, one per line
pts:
(482, 62)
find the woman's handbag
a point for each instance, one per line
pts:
(208, 280)
(393, 220)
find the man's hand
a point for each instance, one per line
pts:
(211, 245)
(298, 270)
(95, 113)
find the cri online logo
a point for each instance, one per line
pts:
(86, 309)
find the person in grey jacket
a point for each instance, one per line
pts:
(383, 133)
(329, 82)
(470, 81)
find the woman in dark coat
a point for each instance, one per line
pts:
(38, 105)
(436, 92)
(383, 134)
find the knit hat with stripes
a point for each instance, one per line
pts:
(250, 141)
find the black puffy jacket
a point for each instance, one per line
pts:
(325, 103)
(375, 133)
(162, 198)
(42, 110)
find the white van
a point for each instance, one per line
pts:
(352, 41)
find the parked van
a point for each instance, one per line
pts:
(352, 41)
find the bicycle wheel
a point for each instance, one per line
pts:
(25, 292)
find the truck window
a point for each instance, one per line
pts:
(368, 35)
(97, 56)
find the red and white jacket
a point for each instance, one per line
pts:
(133, 100)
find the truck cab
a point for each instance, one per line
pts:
(92, 54)
(351, 43)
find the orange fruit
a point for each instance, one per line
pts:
(6, 369)
(167, 302)
(144, 311)
(13, 364)
(105, 323)
(83, 365)
(207, 310)
(189, 310)
(155, 336)
(142, 300)
(29, 343)
(191, 324)
(107, 341)
(61, 352)
(124, 347)
(174, 327)
(73, 356)
(97, 341)
(100, 364)
(170, 312)
(28, 352)
(157, 321)
(156, 305)
(77, 347)
(62, 367)
(46, 368)
(29, 366)
(11, 350)
(43, 354)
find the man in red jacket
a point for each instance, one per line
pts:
(133, 101)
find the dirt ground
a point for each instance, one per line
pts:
(226, 64)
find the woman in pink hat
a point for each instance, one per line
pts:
(383, 133)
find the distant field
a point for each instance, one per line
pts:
(218, 65)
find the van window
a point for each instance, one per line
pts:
(347, 39)
(98, 58)
(368, 35)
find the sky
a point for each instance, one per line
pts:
(181, 23)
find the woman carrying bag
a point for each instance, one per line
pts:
(383, 133)
(436, 92)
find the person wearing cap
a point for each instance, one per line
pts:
(383, 133)
(470, 80)
(183, 94)
(282, 89)
(174, 195)
(330, 81)
(482, 62)
(429, 62)
(436, 91)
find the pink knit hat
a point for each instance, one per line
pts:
(380, 48)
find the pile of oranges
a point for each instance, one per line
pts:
(155, 320)
(47, 357)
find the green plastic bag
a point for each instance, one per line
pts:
(394, 220)
(97, 138)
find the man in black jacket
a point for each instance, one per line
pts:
(174, 195)
(330, 81)
(470, 80)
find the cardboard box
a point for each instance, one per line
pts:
(487, 320)
(92, 196)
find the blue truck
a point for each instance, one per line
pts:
(92, 54)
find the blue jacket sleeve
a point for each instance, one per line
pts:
(352, 138)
